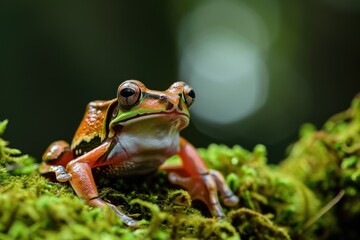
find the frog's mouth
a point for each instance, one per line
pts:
(173, 116)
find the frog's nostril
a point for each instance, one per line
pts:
(169, 106)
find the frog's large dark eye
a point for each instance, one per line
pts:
(189, 95)
(128, 94)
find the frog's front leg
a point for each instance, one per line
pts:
(82, 180)
(201, 183)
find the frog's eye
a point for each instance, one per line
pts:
(128, 95)
(189, 95)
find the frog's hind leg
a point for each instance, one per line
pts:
(201, 183)
(55, 158)
(199, 187)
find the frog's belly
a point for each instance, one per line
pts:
(143, 155)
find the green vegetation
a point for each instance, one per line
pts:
(327, 161)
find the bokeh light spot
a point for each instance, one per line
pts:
(228, 74)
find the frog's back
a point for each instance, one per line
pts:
(92, 129)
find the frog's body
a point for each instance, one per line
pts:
(147, 147)
(131, 135)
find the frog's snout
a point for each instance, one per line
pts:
(171, 101)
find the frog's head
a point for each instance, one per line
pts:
(137, 103)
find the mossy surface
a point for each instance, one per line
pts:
(276, 202)
(328, 162)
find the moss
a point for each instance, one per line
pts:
(262, 188)
(287, 201)
(7, 155)
(249, 222)
(328, 162)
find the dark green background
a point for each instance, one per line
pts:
(56, 56)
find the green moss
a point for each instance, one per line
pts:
(26, 215)
(263, 188)
(11, 160)
(249, 222)
(328, 162)
(33, 207)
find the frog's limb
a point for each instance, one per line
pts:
(83, 183)
(58, 153)
(200, 188)
(200, 182)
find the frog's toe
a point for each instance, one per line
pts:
(131, 223)
(126, 219)
(175, 178)
(62, 175)
(231, 201)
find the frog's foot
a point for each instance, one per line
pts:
(98, 202)
(202, 187)
(228, 197)
(61, 174)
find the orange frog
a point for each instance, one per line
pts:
(134, 134)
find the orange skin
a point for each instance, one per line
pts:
(134, 134)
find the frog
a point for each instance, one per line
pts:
(132, 135)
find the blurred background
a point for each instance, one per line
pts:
(260, 69)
